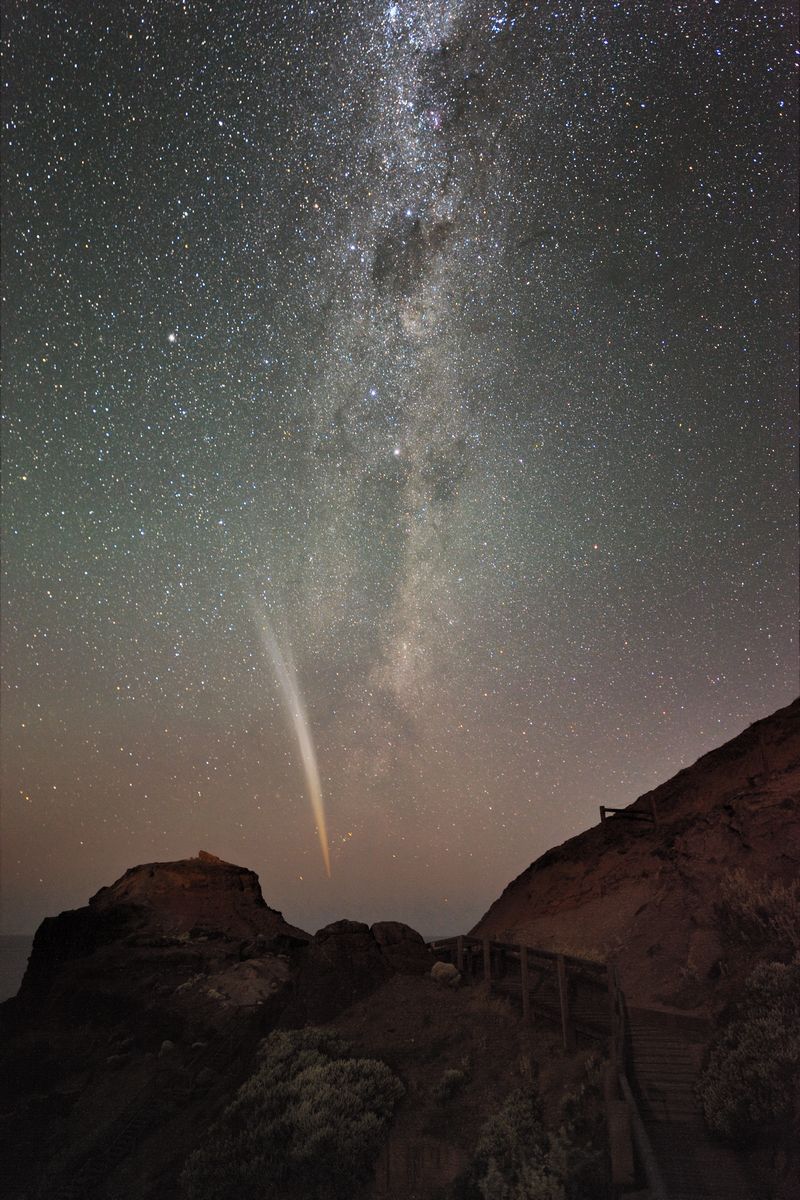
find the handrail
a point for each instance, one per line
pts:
(513, 948)
(619, 1027)
(461, 950)
(655, 1180)
(620, 1056)
(632, 812)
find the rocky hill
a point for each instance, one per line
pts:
(141, 1012)
(171, 945)
(646, 894)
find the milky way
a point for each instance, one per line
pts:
(459, 338)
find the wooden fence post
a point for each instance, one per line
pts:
(460, 954)
(526, 1000)
(487, 961)
(566, 1024)
(602, 813)
(654, 809)
(612, 1006)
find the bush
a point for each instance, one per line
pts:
(309, 1120)
(748, 1088)
(451, 1082)
(761, 914)
(512, 1154)
(517, 1159)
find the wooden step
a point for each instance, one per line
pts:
(695, 1166)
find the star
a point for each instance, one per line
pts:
(458, 290)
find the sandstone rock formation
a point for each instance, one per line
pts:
(644, 895)
(177, 930)
(199, 896)
(145, 1007)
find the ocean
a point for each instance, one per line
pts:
(14, 951)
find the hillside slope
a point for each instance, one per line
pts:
(643, 895)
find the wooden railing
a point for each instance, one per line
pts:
(619, 1093)
(632, 814)
(576, 989)
(582, 997)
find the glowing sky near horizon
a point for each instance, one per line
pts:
(464, 336)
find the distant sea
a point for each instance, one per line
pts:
(14, 951)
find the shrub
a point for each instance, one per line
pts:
(451, 1082)
(517, 1159)
(512, 1153)
(308, 1120)
(582, 1141)
(763, 914)
(748, 1086)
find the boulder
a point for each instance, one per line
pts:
(445, 974)
(343, 963)
(402, 948)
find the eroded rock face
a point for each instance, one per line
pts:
(644, 895)
(176, 939)
(198, 896)
(169, 976)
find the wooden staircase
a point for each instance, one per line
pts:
(588, 1005)
(665, 1055)
(655, 1060)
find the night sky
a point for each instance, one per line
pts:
(411, 385)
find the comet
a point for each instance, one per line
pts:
(293, 702)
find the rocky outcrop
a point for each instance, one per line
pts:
(158, 988)
(183, 945)
(348, 960)
(199, 896)
(145, 1006)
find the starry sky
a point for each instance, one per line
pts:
(433, 359)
